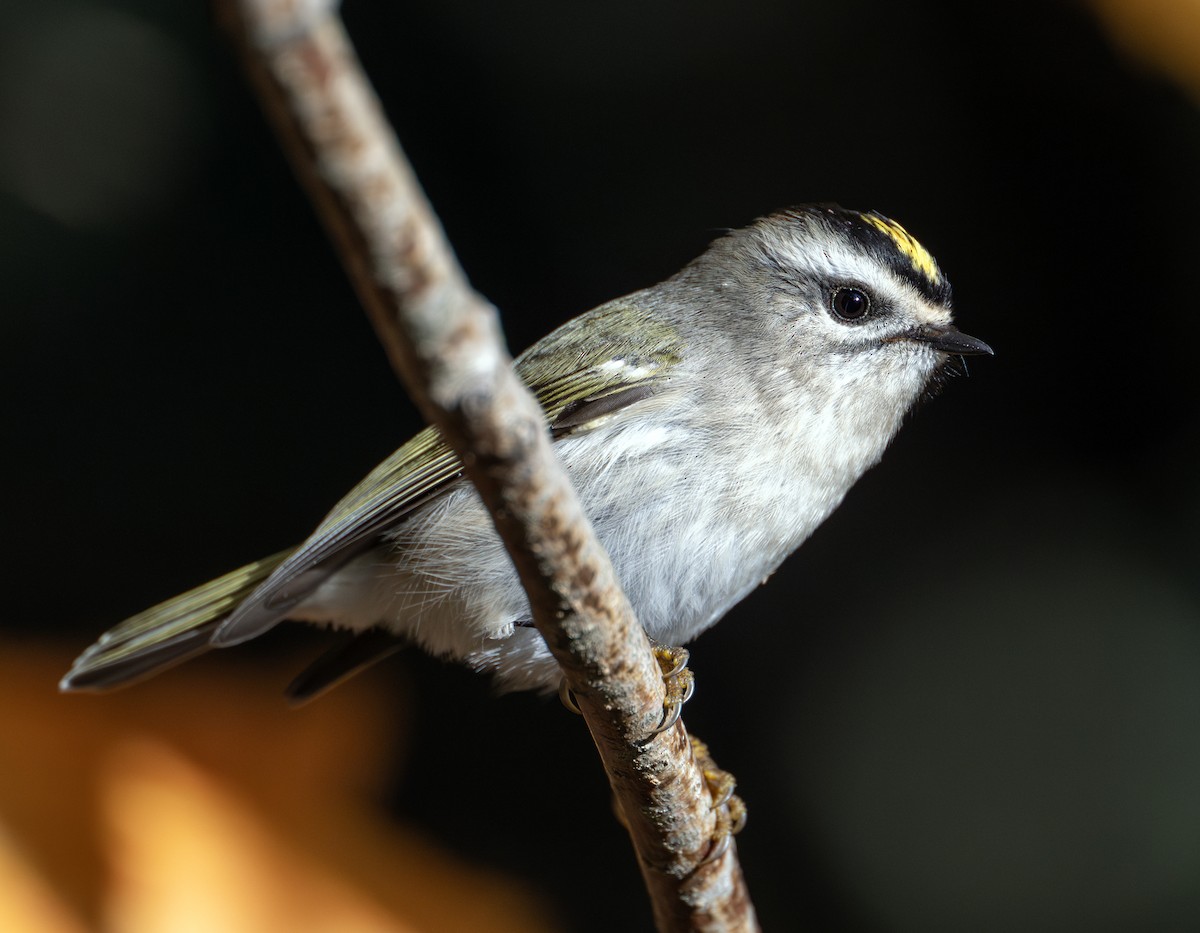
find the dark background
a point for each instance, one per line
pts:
(970, 702)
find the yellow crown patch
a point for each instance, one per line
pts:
(917, 254)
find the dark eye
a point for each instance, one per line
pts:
(850, 304)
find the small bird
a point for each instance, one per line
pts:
(709, 424)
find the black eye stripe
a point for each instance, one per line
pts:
(849, 304)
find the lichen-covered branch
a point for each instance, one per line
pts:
(443, 340)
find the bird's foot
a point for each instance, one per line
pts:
(680, 684)
(729, 807)
(679, 680)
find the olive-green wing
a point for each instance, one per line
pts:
(168, 633)
(586, 370)
(590, 369)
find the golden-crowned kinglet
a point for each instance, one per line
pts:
(709, 424)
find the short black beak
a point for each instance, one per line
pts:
(950, 340)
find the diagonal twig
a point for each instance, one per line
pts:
(443, 340)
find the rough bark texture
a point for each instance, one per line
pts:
(443, 340)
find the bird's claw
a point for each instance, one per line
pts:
(673, 661)
(729, 807)
(680, 683)
(568, 698)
